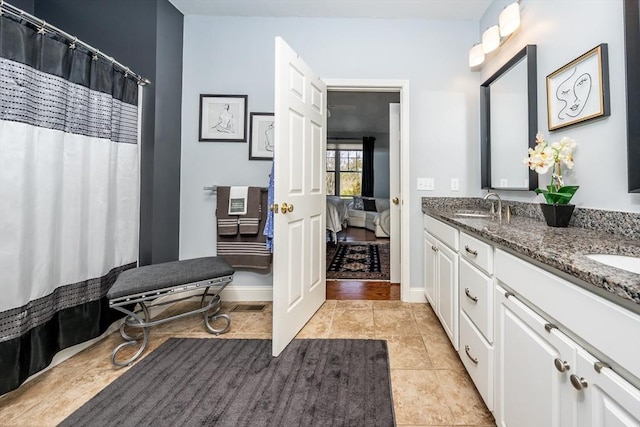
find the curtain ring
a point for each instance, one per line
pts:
(72, 45)
(126, 72)
(42, 29)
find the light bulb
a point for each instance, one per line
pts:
(476, 55)
(491, 39)
(509, 19)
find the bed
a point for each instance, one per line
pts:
(337, 217)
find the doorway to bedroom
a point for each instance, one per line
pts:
(360, 145)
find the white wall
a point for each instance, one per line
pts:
(235, 56)
(563, 30)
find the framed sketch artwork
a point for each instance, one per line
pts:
(223, 118)
(579, 91)
(262, 136)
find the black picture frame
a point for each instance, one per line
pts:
(261, 136)
(223, 118)
(632, 53)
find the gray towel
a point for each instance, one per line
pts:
(249, 224)
(243, 251)
(227, 224)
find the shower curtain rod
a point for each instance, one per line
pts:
(43, 27)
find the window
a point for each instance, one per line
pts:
(344, 172)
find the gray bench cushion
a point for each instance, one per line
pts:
(167, 275)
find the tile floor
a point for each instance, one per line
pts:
(430, 385)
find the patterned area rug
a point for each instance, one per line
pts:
(358, 261)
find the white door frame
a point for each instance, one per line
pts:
(402, 86)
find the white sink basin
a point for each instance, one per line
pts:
(624, 262)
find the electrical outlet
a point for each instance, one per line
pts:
(503, 182)
(455, 185)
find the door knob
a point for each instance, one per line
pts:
(274, 208)
(285, 207)
(395, 200)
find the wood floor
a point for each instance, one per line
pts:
(357, 290)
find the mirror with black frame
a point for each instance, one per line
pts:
(509, 123)
(632, 45)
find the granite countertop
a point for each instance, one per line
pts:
(562, 249)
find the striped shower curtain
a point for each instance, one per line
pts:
(69, 194)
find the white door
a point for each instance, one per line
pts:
(394, 190)
(299, 264)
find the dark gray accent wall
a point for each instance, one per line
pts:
(26, 5)
(146, 36)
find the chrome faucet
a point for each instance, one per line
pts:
(499, 204)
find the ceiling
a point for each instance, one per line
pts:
(388, 9)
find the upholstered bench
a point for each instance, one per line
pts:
(142, 287)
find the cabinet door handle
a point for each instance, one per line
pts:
(434, 249)
(599, 365)
(468, 294)
(561, 365)
(577, 382)
(473, 359)
(471, 251)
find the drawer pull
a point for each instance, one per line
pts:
(473, 359)
(549, 326)
(578, 383)
(599, 365)
(561, 365)
(470, 251)
(434, 249)
(468, 294)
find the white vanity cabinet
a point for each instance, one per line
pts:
(541, 350)
(533, 364)
(476, 314)
(606, 399)
(547, 331)
(441, 273)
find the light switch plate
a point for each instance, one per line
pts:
(425, 184)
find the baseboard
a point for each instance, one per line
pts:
(415, 295)
(247, 293)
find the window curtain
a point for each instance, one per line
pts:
(367, 166)
(69, 191)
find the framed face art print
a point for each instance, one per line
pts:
(579, 91)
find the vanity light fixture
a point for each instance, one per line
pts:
(509, 19)
(491, 39)
(496, 35)
(476, 55)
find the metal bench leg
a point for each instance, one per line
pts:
(212, 315)
(132, 320)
